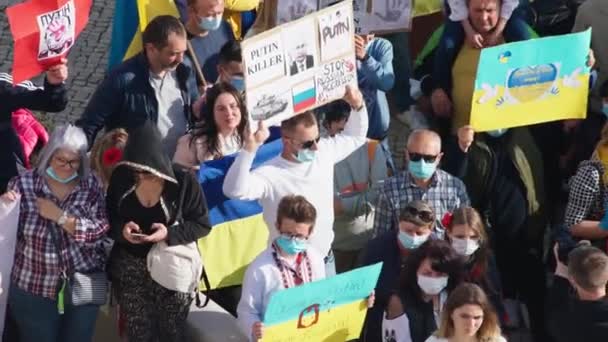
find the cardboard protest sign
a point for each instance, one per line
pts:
(530, 82)
(290, 10)
(43, 32)
(300, 65)
(330, 310)
(9, 220)
(379, 16)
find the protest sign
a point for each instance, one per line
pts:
(9, 219)
(43, 32)
(530, 82)
(300, 65)
(290, 10)
(330, 310)
(379, 16)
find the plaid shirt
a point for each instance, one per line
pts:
(36, 268)
(587, 194)
(444, 194)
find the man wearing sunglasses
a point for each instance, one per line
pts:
(305, 167)
(420, 181)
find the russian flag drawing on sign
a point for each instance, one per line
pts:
(304, 96)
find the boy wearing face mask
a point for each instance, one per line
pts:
(416, 222)
(208, 33)
(288, 262)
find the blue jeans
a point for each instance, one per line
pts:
(400, 93)
(39, 321)
(517, 29)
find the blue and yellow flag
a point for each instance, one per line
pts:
(130, 19)
(329, 310)
(239, 232)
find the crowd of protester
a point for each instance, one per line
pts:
(483, 235)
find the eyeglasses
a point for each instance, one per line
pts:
(295, 236)
(427, 157)
(308, 144)
(424, 215)
(74, 163)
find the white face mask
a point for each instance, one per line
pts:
(465, 246)
(431, 285)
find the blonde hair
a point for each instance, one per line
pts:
(115, 138)
(469, 294)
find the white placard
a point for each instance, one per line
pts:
(9, 221)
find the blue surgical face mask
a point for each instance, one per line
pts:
(305, 155)
(497, 133)
(605, 108)
(412, 242)
(291, 245)
(238, 82)
(421, 169)
(210, 23)
(51, 173)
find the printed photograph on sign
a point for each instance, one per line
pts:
(336, 33)
(272, 103)
(263, 60)
(300, 47)
(331, 79)
(389, 15)
(290, 10)
(304, 96)
(57, 31)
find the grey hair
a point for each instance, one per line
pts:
(420, 133)
(68, 137)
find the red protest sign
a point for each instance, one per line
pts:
(43, 32)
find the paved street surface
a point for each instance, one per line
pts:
(87, 60)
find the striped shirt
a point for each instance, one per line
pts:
(36, 268)
(444, 194)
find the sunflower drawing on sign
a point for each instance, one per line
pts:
(309, 317)
(56, 31)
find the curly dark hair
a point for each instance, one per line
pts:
(443, 259)
(207, 127)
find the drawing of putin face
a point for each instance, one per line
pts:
(57, 34)
(300, 52)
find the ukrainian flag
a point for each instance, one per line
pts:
(130, 19)
(239, 232)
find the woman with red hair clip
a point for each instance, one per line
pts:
(467, 234)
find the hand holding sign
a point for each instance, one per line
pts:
(57, 74)
(299, 10)
(257, 138)
(393, 10)
(466, 134)
(353, 97)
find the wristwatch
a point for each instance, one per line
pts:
(63, 219)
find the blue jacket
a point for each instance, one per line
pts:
(126, 99)
(376, 77)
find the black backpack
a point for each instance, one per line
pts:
(553, 17)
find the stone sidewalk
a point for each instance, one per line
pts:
(87, 60)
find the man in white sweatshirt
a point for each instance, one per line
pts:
(305, 167)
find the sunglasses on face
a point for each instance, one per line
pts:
(423, 215)
(308, 144)
(418, 156)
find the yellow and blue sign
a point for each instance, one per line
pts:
(530, 82)
(239, 232)
(329, 310)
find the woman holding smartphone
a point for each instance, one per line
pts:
(145, 195)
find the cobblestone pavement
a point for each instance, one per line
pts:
(87, 60)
